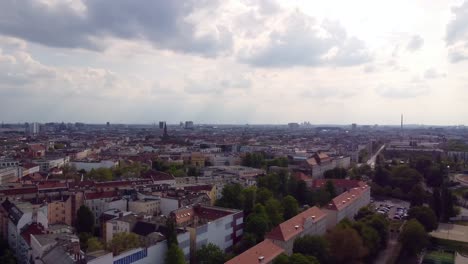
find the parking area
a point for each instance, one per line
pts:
(393, 209)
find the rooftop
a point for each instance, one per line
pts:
(294, 226)
(264, 252)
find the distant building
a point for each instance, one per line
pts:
(162, 124)
(293, 125)
(189, 125)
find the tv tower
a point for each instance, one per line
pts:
(401, 122)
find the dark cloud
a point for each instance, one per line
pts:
(416, 42)
(163, 23)
(304, 42)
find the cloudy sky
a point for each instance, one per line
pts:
(234, 61)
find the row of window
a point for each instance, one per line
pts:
(133, 257)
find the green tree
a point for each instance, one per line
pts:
(281, 259)
(313, 246)
(124, 241)
(301, 192)
(370, 237)
(258, 223)
(413, 237)
(425, 216)
(330, 188)
(263, 195)
(346, 245)
(231, 196)
(380, 224)
(101, 174)
(291, 207)
(297, 258)
(174, 255)
(248, 197)
(274, 210)
(436, 202)
(210, 254)
(93, 244)
(84, 220)
(363, 212)
(248, 240)
(171, 233)
(417, 195)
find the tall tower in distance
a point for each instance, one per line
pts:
(401, 131)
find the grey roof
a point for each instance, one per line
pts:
(57, 255)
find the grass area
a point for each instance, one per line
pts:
(439, 256)
(460, 191)
(458, 246)
(463, 223)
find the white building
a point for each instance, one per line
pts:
(103, 201)
(347, 205)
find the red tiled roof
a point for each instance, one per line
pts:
(32, 229)
(100, 195)
(51, 185)
(290, 228)
(158, 175)
(20, 190)
(121, 183)
(300, 176)
(81, 184)
(266, 251)
(197, 188)
(343, 200)
(30, 165)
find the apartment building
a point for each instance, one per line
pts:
(347, 205)
(313, 221)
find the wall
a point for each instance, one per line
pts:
(149, 207)
(168, 205)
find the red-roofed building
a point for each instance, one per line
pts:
(312, 221)
(262, 253)
(300, 176)
(347, 204)
(341, 185)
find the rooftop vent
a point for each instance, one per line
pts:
(349, 199)
(344, 202)
(296, 226)
(261, 258)
(313, 217)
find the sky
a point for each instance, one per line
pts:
(234, 61)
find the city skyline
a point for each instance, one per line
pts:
(234, 62)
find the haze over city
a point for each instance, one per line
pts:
(237, 62)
